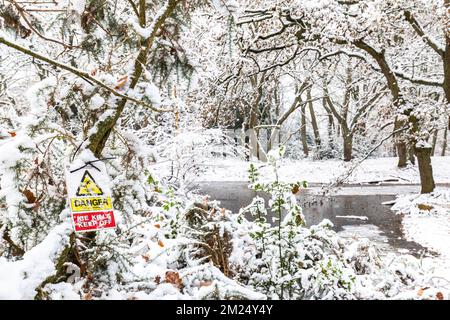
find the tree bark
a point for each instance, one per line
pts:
(402, 155)
(444, 143)
(313, 118)
(325, 102)
(98, 140)
(426, 171)
(411, 156)
(330, 126)
(348, 145)
(303, 130)
(255, 115)
(433, 145)
(273, 132)
(446, 54)
(400, 145)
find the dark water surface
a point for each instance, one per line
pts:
(355, 212)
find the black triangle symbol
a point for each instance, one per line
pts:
(84, 185)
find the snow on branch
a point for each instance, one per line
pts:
(400, 74)
(161, 15)
(81, 73)
(419, 30)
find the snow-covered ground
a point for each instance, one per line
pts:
(327, 171)
(19, 279)
(427, 221)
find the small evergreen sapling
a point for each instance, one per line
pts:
(292, 261)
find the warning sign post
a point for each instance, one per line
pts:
(90, 197)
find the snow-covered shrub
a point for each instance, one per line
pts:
(362, 256)
(31, 185)
(189, 150)
(140, 259)
(286, 260)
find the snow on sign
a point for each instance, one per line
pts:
(90, 196)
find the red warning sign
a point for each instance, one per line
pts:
(90, 197)
(91, 221)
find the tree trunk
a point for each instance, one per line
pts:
(255, 116)
(253, 140)
(348, 145)
(402, 150)
(444, 143)
(272, 137)
(330, 127)
(446, 57)
(98, 140)
(303, 130)
(313, 119)
(402, 155)
(411, 156)
(426, 171)
(433, 145)
(446, 60)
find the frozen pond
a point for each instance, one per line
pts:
(356, 211)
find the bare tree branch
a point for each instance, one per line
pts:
(80, 73)
(419, 30)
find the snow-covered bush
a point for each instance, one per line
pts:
(188, 151)
(31, 185)
(286, 260)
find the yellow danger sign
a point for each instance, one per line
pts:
(90, 204)
(89, 194)
(88, 186)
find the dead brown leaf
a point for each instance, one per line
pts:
(88, 296)
(31, 198)
(425, 207)
(421, 291)
(121, 82)
(173, 277)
